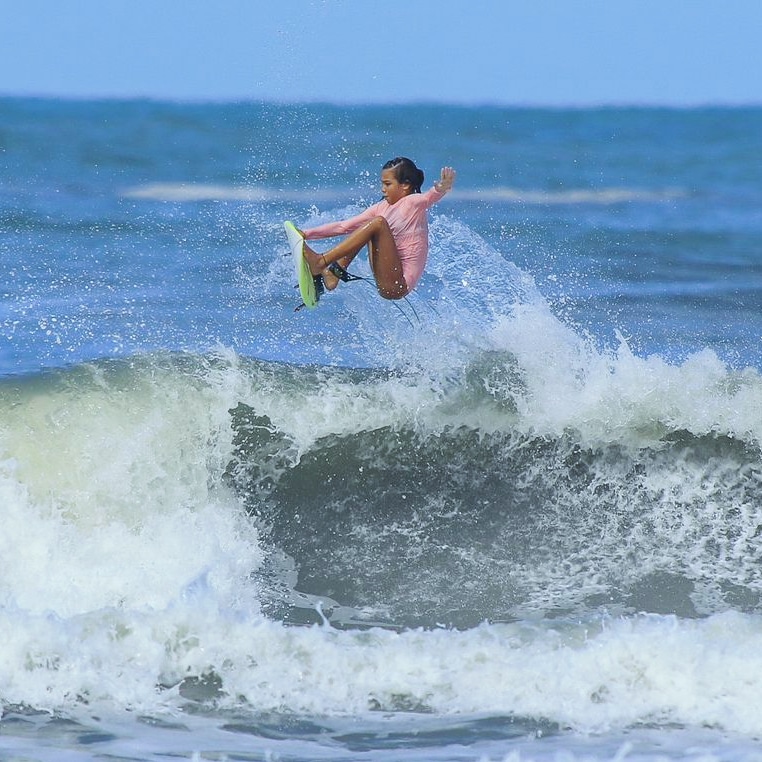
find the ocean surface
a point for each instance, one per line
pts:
(517, 517)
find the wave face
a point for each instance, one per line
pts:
(456, 506)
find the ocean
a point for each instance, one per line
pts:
(514, 518)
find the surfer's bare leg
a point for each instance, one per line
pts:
(387, 266)
(384, 257)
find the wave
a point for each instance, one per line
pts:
(208, 192)
(497, 499)
(192, 192)
(540, 473)
(189, 508)
(571, 196)
(217, 502)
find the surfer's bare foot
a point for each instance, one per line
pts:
(330, 281)
(316, 262)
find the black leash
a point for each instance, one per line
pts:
(347, 277)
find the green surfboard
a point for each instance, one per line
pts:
(307, 288)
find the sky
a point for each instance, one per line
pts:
(471, 52)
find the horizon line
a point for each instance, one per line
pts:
(381, 103)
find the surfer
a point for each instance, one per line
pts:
(395, 230)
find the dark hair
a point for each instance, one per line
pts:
(406, 172)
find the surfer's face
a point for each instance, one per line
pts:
(391, 188)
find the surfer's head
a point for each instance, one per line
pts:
(406, 173)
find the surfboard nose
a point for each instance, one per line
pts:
(292, 234)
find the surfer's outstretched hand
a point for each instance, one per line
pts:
(446, 180)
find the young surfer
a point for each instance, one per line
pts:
(395, 230)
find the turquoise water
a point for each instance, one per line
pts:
(515, 517)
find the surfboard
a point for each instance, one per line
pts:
(309, 293)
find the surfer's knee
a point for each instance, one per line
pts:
(394, 291)
(377, 224)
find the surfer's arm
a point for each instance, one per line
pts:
(437, 192)
(332, 229)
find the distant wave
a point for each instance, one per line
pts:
(571, 196)
(211, 192)
(190, 192)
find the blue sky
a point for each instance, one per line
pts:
(516, 52)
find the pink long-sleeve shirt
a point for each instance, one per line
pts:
(408, 222)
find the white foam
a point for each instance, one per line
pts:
(554, 379)
(592, 677)
(615, 396)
